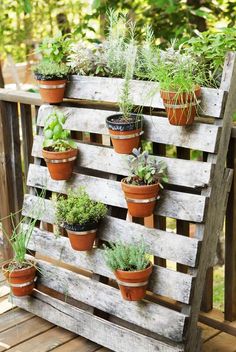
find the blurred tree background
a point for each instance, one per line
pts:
(26, 22)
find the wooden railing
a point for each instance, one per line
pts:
(17, 120)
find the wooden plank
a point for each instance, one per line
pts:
(187, 173)
(221, 342)
(230, 241)
(5, 305)
(27, 135)
(92, 327)
(157, 319)
(20, 96)
(4, 290)
(13, 318)
(175, 247)
(208, 332)
(199, 136)
(79, 344)
(22, 332)
(215, 319)
(164, 281)
(45, 342)
(184, 206)
(108, 90)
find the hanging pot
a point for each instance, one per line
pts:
(125, 136)
(181, 108)
(141, 200)
(133, 284)
(60, 164)
(52, 91)
(21, 281)
(82, 237)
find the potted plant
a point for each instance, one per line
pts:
(132, 268)
(125, 128)
(141, 189)
(20, 272)
(80, 216)
(51, 73)
(59, 151)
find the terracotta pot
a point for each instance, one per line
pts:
(21, 281)
(181, 108)
(81, 237)
(141, 200)
(52, 91)
(133, 284)
(125, 136)
(60, 164)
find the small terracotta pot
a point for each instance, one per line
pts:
(60, 164)
(141, 200)
(133, 284)
(181, 108)
(52, 91)
(81, 237)
(21, 281)
(125, 136)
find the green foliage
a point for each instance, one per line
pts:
(146, 170)
(55, 136)
(55, 49)
(48, 70)
(127, 257)
(79, 208)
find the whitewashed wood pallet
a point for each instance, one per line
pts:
(197, 193)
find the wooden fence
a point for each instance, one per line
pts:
(18, 111)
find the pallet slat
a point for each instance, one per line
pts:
(163, 281)
(183, 206)
(92, 327)
(108, 90)
(163, 244)
(157, 129)
(187, 173)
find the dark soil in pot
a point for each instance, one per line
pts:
(82, 237)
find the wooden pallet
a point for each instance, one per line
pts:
(77, 290)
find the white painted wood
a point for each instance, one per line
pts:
(157, 129)
(184, 206)
(163, 281)
(146, 314)
(101, 331)
(187, 173)
(167, 245)
(143, 93)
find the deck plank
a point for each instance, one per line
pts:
(79, 344)
(13, 317)
(5, 305)
(221, 343)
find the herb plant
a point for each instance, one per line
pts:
(79, 208)
(49, 70)
(127, 257)
(146, 170)
(55, 49)
(56, 138)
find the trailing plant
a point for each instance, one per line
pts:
(56, 138)
(145, 170)
(49, 70)
(127, 257)
(55, 49)
(79, 208)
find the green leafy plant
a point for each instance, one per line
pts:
(55, 49)
(79, 208)
(56, 138)
(49, 70)
(146, 170)
(127, 257)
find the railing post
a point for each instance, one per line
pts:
(230, 240)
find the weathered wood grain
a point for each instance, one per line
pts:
(163, 244)
(187, 173)
(157, 129)
(143, 93)
(92, 327)
(164, 281)
(145, 314)
(20, 96)
(184, 206)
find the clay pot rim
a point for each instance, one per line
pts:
(30, 262)
(66, 151)
(197, 89)
(150, 266)
(137, 186)
(54, 79)
(133, 115)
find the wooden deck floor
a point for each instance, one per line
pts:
(21, 331)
